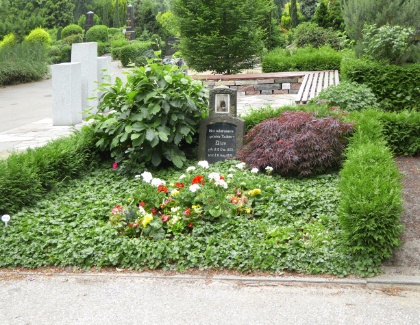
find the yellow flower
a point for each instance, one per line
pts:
(254, 192)
(146, 220)
(248, 210)
(174, 192)
(196, 206)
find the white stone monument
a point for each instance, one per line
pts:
(86, 54)
(67, 94)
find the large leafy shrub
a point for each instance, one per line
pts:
(302, 59)
(98, 33)
(9, 39)
(370, 204)
(387, 43)
(128, 54)
(39, 35)
(152, 115)
(350, 96)
(396, 87)
(310, 34)
(296, 143)
(71, 29)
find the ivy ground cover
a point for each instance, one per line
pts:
(224, 216)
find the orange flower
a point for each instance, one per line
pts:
(198, 180)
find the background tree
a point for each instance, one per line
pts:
(308, 8)
(329, 14)
(116, 20)
(294, 13)
(379, 12)
(58, 13)
(221, 35)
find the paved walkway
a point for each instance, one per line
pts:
(26, 113)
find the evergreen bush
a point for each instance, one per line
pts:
(39, 35)
(71, 29)
(98, 33)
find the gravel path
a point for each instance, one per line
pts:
(406, 259)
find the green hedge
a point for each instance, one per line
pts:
(302, 59)
(370, 203)
(402, 132)
(26, 177)
(396, 87)
(98, 33)
(130, 52)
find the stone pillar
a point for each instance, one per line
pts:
(130, 34)
(86, 54)
(66, 94)
(104, 75)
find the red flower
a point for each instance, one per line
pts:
(198, 180)
(130, 225)
(222, 178)
(115, 165)
(187, 212)
(179, 185)
(142, 204)
(190, 225)
(154, 210)
(165, 218)
(162, 188)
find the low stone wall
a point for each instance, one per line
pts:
(256, 84)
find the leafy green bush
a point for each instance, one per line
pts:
(152, 115)
(71, 29)
(387, 43)
(103, 48)
(370, 204)
(98, 33)
(54, 53)
(396, 87)
(302, 59)
(9, 39)
(296, 143)
(112, 31)
(401, 131)
(65, 53)
(116, 46)
(23, 62)
(310, 34)
(26, 177)
(75, 38)
(130, 52)
(349, 96)
(39, 35)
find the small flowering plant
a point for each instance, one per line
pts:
(164, 208)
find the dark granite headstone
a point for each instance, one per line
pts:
(170, 47)
(221, 134)
(89, 22)
(130, 33)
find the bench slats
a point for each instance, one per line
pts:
(314, 82)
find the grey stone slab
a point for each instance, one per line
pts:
(67, 93)
(267, 86)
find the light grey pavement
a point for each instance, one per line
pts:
(26, 112)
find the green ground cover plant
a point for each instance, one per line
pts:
(302, 59)
(293, 225)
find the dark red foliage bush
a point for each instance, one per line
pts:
(296, 143)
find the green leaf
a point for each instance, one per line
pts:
(163, 136)
(177, 161)
(150, 135)
(168, 79)
(128, 129)
(156, 159)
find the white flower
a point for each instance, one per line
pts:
(240, 165)
(214, 176)
(147, 177)
(191, 168)
(175, 209)
(254, 170)
(203, 163)
(182, 176)
(142, 211)
(137, 176)
(194, 188)
(221, 183)
(269, 169)
(230, 175)
(157, 181)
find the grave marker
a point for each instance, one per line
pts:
(221, 134)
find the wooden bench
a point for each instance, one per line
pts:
(314, 82)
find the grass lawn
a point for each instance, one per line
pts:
(291, 225)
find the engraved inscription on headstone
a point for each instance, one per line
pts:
(130, 34)
(220, 142)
